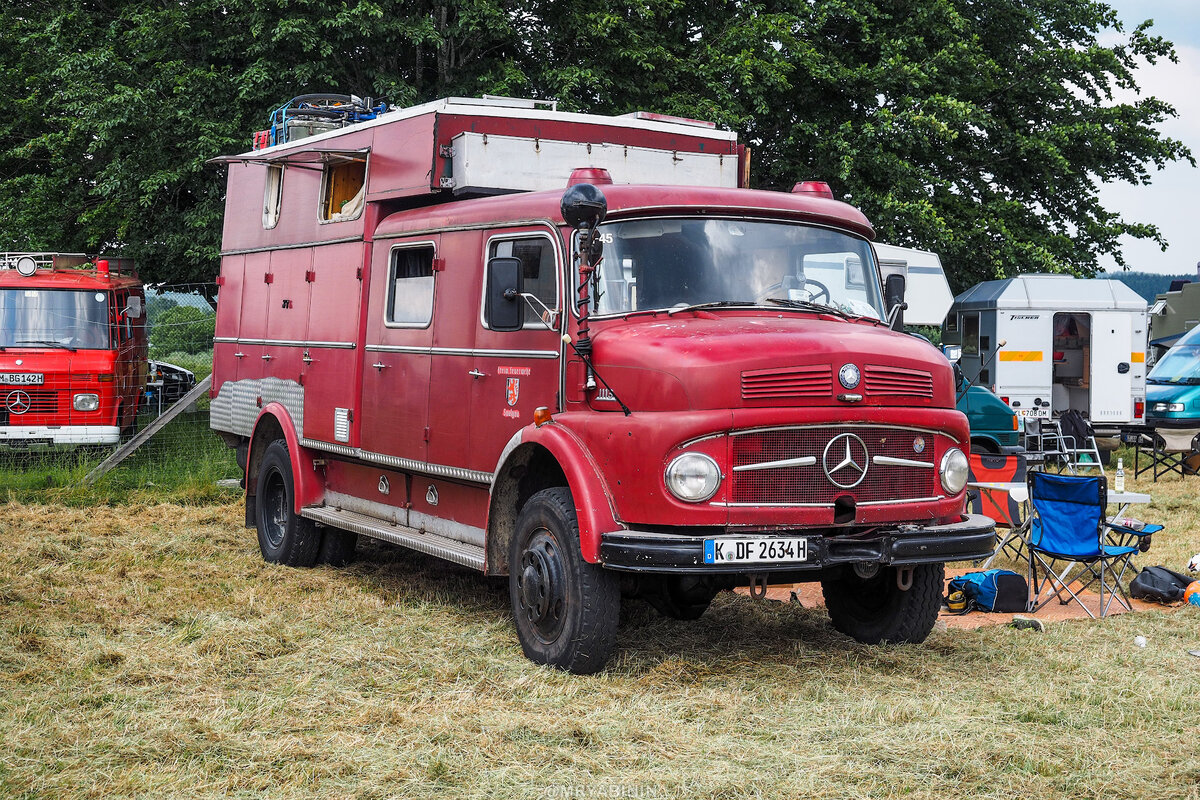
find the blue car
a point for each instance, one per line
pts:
(1173, 386)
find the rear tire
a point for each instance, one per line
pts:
(564, 608)
(283, 535)
(337, 547)
(874, 610)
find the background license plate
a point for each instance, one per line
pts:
(754, 549)
(22, 378)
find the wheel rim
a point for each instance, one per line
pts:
(274, 505)
(541, 586)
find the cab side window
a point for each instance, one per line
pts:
(538, 270)
(410, 286)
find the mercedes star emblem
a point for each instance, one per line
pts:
(848, 375)
(18, 402)
(845, 461)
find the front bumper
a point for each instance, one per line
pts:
(971, 539)
(32, 437)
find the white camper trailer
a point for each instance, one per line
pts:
(927, 293)
(1048, 343)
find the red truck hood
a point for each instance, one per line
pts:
(737, 359)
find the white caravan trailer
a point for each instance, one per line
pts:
(1048, 343)
(927, 292)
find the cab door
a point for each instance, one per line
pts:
(517, 371)
(397, 354)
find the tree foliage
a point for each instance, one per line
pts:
(182, 329)
(977, 128)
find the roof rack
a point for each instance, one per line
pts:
(65, 261)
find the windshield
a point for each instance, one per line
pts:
(680, 262)
(1181, 364)
(54, 318)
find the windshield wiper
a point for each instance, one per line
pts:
(47, 343)
(713, 304)
(809, 305)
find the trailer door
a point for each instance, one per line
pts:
(1112, 373)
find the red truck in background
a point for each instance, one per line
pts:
(72, 350)
(576, 351)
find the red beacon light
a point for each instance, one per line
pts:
(102, 267)
(596, 176)
(814, 188)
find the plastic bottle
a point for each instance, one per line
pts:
(1119, 483)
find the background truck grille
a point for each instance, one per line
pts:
(809, 484)
(897, 382)
(41, 401)
(771, 384)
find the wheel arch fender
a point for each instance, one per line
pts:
(274, 422)
(537, 458)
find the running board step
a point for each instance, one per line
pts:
(467, 555)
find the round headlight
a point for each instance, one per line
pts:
(693, 477)
(954, 470)
(86, 402)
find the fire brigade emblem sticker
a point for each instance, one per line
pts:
(512, 390)
(18, 402)
(845, 461)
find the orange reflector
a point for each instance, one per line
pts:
(1021, 355)
(104, 378)
(1137, 358)
(541, 415)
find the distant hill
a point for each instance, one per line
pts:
(1147, 284)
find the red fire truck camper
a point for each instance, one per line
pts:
(653, 383)
(72, 349)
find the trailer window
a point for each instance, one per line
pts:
(343, 191)
(410, 286)
(272, 195)
(970, 334)
(536, 254)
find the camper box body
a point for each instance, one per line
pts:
(1069, 343)
(368, 388)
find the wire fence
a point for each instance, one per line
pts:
(81, 375)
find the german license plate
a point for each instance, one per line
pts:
(755, 549)
(22, 378)
(1033, 412)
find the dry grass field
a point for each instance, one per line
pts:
(147, 651)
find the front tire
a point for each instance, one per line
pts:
(283, 535)
(565, 609)
(874, 610)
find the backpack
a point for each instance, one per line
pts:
(1159, 584)
(993, 590)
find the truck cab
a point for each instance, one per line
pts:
(72, 350)
(578, 352)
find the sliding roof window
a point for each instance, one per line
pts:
(343, 190)
(410, 287)
(272, 195)
(538, 270)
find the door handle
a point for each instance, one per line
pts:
(307, 358)
(477, 374)
(239, 355)
(379, 365)
(266, 357)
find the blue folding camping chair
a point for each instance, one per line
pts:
(1068, 526)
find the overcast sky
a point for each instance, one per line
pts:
(1171, 202)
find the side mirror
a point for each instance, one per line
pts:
(134, 307)
(893, 298)
(953, 352)
(504, 306)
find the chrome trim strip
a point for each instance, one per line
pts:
(461, 351)
(802, 461)
(297, 246)
(889, 461)
(830, 505)
(408, 464)
(284, 342)
(766, 429)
